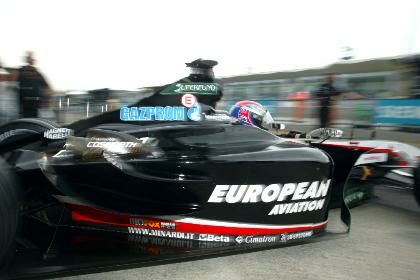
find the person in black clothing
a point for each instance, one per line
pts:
(201, 72)
(325, 94)
(32, 88)
(168, 95)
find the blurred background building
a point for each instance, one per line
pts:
(378, 78)
(289, 95)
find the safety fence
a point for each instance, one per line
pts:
(395, 113)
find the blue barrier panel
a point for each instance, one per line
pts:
(398, 111)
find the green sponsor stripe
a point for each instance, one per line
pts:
(193, 88)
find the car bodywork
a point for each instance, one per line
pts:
(206, 172)
(209, 186)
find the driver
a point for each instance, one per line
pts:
(252, 113)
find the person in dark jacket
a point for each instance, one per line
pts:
(201, 82)
(32, 88)
(325, 94)
(201, 75)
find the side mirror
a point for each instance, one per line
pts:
(277, 126)
(323, 133)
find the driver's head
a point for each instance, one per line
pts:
(252, 114)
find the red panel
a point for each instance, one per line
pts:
(86, 214)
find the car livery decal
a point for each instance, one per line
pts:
(186, 228)
(193, 88)
(312, 193)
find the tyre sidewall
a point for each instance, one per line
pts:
(9, 211)
(417, 183)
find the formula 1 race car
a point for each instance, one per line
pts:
(373, 162)
(100, 188)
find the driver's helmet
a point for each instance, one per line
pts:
(252, 113)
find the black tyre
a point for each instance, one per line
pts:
(15, 132)
(417, 183)
(12, 136)
(9, 211)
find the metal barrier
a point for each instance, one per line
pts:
(343, 111)
(349, 113)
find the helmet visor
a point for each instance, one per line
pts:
(267, 120)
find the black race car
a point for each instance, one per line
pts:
(208, 181)
(101, 187)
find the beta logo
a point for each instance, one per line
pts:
(213, 238)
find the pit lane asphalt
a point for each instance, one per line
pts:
(384, 243)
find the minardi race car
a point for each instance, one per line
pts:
(374, 162)
(74, 190)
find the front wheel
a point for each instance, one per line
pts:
(9, 211)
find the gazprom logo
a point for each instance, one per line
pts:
(168, 113)
(194, 113)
